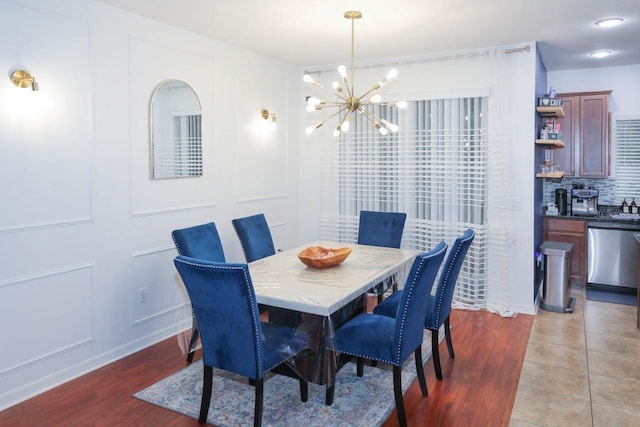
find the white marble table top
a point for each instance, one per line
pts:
(282, 280)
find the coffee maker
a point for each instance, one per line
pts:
(561, 200)
(584, 202)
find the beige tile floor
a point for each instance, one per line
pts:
(581, 368)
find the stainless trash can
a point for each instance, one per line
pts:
(557, 277)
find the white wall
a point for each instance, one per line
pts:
(82, 227)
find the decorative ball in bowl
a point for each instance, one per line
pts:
(319, 257)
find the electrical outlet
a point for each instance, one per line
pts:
(142, 295)
(515, 204)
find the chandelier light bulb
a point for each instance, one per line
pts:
(402, 104)
(392, 74)
(344, 127)
(313, 101)
(309, 130)
(342, 71)
(391, 126)
(376, 98)
(308, 79)
(336, 133)
(383, 130)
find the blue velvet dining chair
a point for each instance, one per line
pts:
(382, 229)
(202, 242)
(256, 241)
(255, 237)
(392, 340)
(439, 303)
(232, 335)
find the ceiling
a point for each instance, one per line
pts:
(314, 32)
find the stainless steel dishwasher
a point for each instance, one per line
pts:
(612, 254)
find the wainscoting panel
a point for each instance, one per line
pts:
(261, 151)
(156, 288)
(53, 309)
(46, 135)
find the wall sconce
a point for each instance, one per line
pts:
(23, 79)
(265, 114)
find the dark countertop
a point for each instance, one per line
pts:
(604, 220)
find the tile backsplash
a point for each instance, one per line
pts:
(605, 186)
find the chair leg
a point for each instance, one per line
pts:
(436, 354)
(328, 399)
(257, 413)
(304, 390)
(380, 297)
(360, 367)
(195, 332)
(420, 370)
(397, 391)
(207, 384)
(447, 336)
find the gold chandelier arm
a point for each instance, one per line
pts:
(339, 95)
(327, 104)
(374, 87)
(372, 118)
(345, 79)
(344, 119)
(330, 117)
(379, 123)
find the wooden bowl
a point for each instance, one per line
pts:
(319, 257)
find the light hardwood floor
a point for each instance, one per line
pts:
(581, 368)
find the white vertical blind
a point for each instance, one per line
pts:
(180, 155)
(627, 158)
(435, 169)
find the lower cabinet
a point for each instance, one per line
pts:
(572, 231)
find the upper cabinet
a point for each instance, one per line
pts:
(585, 129)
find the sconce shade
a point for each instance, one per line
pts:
(265, 114)
(23, 79)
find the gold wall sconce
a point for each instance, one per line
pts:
(265, 114)
(23, 79)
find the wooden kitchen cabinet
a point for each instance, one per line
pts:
(585, 133)
(570, 231)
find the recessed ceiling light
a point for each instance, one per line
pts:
(600, 53)
(609, 22)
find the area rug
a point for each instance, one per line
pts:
(358, 401)
(612, 297)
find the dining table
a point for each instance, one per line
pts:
(314, 299)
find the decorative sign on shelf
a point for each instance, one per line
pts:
(549, 102)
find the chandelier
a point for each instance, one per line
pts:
(347, 102)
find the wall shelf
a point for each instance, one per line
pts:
(550, 175)
(550, 144)
(550, 111)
